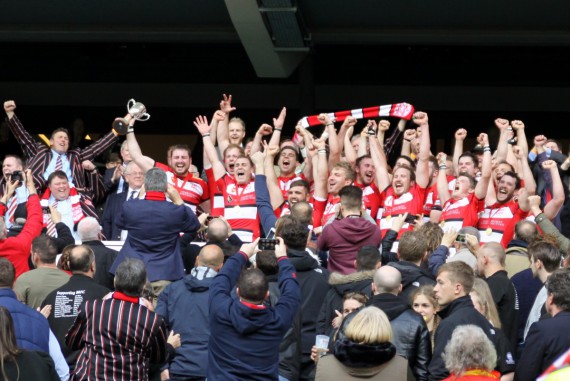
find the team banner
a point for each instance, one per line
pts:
(398, 110)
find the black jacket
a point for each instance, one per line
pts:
(461, 312)
(412, 277)
(290, 348)
(411, 335)
(313, 280)
(341, 284)
(104, 258)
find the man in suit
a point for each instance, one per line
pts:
(134, 179)
(131, 337)
(548, 339)
(154, 226)
(89, 233)
(44, 160)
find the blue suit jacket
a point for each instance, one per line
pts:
(113, 209)
(154, 236)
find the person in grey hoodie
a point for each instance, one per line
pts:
(348, 233)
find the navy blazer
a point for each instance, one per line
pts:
(111, 213)
(154, 236)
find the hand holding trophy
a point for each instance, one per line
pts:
(136, 111)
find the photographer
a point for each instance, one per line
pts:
(17, 249)
(12, 168)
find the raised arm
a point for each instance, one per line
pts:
(394, 137)
(409, 135)
(222, 131)
(524, 170)
(347, 124)
(502, 146)
(483, 184)
(201, 124)
(144, 162)
(334, 148)
(422, 168)
(553, 206)
(263, 130)
(349, 151)
(379, 159)
(27, 144)
(322, 170)
(272, 186)
(518, 126)
(370, 129)
(442, 186)
(278, 127)
(262, 197)
(460, 136)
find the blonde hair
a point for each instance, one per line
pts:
(482, 290)
(369, 326)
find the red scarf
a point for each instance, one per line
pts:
(155, 196)
(76, 210)
(398, 110)
(120, 296)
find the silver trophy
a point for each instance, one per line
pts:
(137, 111)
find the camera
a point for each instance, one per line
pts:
(411, 219)
(460, 238)
(17, 176)
(267, 244)
(46, 210)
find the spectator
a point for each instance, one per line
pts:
(517, 256)
(411, 336)
(18, 199)
(470, 355)
(17, 249)
(364, 350)
(134, 336)
(31, 328)
(22, 364)
(247, 332)
(184, 306)
(33, 286)
(90, 235)
(158, 248)
(66, 300)
(546, 340)
(423, 302)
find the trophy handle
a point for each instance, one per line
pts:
(130, 104)
(144, 117)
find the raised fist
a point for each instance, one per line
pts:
(539, 140)
(410, 134)
(420, 118)
(517, 124)
(384, 125)
(549, 164)
(483, 139)
(9, 106)
(265, 129)
(461, 134)
(501, 123)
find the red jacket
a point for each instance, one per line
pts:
(17, 249)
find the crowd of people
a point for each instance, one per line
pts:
(417, 264)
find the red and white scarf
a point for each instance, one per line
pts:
(74, 198)
(398, 110)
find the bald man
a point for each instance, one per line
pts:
(184, 306)
(89, 232)
(411, 336)
(491, 266)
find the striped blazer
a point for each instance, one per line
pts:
(117, 340)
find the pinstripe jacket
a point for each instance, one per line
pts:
(117, 339)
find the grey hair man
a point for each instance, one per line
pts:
(469, 348)
(89, 232)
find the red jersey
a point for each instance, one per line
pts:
(459, 213)
(411, 202)
(217, 195)
(193, 190)
(323, 210)
(370, 198)
(432, 199)
(240, 208)
(497, 222)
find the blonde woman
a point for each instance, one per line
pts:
(363, 350)
(424, 302)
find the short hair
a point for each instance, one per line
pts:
(558, 284)
(155, 180)
(348, 171)
(469, 348)
(387, 279)
(472, 181)
(238, 120)
(253, 285)
(217, 231)
(367, 258)
(7, 273)
(266, 261)
(411, 162)
(45, 248)
(507, 163)
(433, 160)
(56, 174)
(211, 256)
(459, 272)
(369, 326)
(18, 159)
(234, 146)
(412, 247)
(294, 234)
(427, 291)
(301, 183)
(471, 231)
(514, 176)
(302, 211)
(526, 231)
(547, 253)
(61, 129)
(124, 145)
(355, 295)
(555, 142)
(470, 155)
(409, 169)
(433, 234)
(80, 259)
(482, 290)
(244, 156)
(174, 147)
(130, 277)
(88, 229)
(359, 160)
(496, 252)
(351, 197)
(130, 166)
